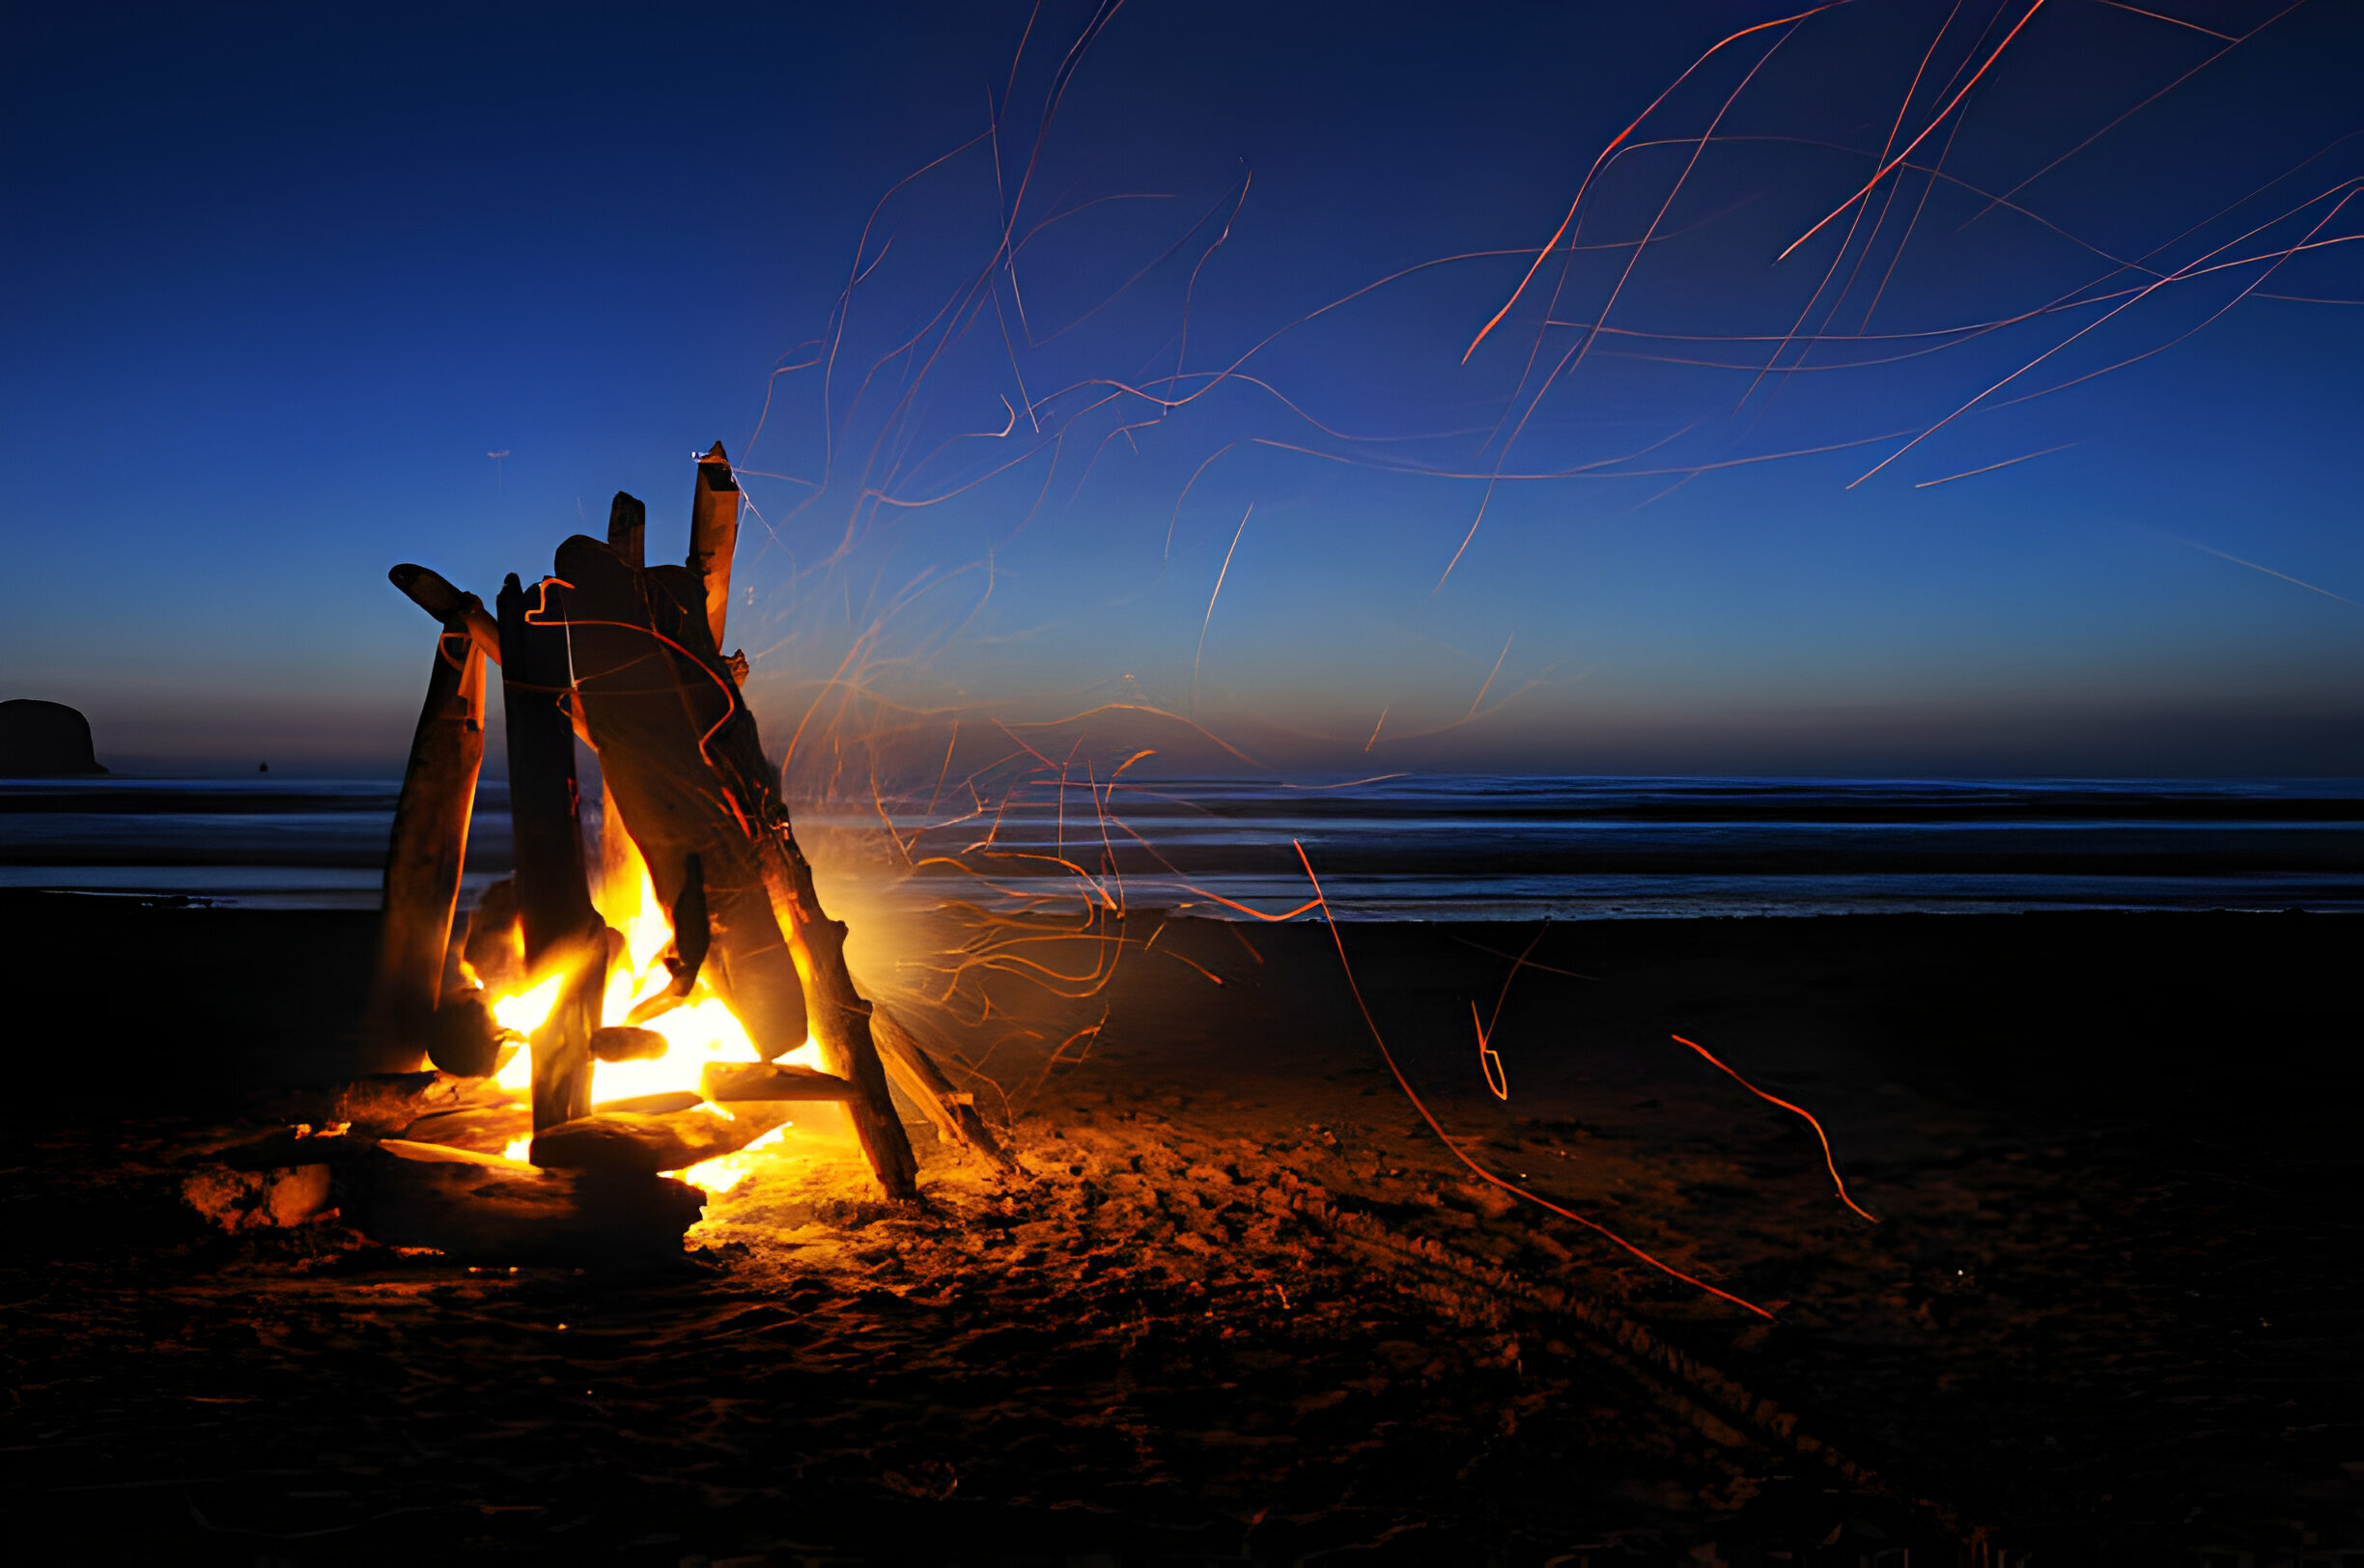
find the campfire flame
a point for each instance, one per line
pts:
(700, 1029)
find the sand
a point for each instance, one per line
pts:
(1243, 1305)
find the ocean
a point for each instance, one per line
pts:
(1430, 847)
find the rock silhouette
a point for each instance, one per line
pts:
(43, 739)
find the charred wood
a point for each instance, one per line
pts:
(562, 1045)
(387, 1102)
(654, 1007)
(620, 866)
(485, 1128)
(463, 1038)
(623, 1043)
(563, 932)
(545, 803)
(628, 528)
(495, 943)
(480, 1208)
(693, 927)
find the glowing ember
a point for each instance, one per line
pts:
(723, 1173)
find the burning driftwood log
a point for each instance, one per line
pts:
(563, 932)
(620, 864)
(629, 657)
(731, 1083)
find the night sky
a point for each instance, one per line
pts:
(278, 280)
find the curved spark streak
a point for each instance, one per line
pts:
(1197, 658)
(1784, 1105)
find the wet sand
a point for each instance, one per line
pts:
(1243, 1305)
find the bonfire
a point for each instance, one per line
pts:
(587, 1055)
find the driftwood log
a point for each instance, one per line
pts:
(729, 1082)
(924, 1084)
(480, 1208)
(714, 537)
(427, 851)
(653, 1104)
(430, 593)
(563, 934)
(491, 1128)
(485, 1129)
(628, 527)
(646, 1142)
(620, 864)
(496, 944)
(387, 1102)
(464, 1038)
(623, 1043)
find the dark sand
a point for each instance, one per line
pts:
(1243, 1305)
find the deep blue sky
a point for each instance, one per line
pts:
(277, 280)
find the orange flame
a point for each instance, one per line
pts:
(701, 1029)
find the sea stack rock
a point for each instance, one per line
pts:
(43, 739)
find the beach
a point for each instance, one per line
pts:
(1243, 1301)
